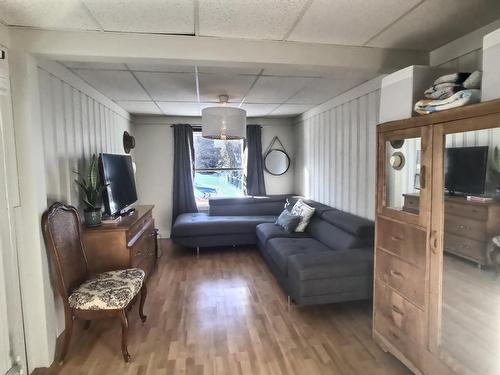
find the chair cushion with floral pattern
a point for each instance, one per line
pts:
(108, 290)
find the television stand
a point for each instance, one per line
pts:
(468, 226)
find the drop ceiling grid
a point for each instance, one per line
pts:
(186, 98)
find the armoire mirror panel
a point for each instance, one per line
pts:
(402, 172)
(470, 297)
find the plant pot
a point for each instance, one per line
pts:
(92, 217)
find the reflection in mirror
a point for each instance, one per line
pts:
(402, 174)
(470, 312)
(276, 162)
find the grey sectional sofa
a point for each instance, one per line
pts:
(332, 261)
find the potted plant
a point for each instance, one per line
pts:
(92, 194)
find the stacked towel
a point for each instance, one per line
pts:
(451, 91)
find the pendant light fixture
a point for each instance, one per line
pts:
(223, 122)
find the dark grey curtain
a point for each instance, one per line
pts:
(183, 194)
(255, 164)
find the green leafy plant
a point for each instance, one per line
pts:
(91, 187)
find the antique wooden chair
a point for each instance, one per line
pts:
(104, 295)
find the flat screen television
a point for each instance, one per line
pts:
(117, 175)
(465, 169)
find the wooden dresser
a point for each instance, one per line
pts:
(129, 243)
(468, 226)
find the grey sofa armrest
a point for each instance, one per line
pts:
(331, 264)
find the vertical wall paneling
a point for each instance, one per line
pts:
(75, 126)
(336, 162)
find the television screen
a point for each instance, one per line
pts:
(117, 175)
(465, 169)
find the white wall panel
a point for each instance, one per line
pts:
(335, 153)
(75, 125)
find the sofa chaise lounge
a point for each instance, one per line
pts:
(332, 261)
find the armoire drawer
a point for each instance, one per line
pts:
(404, 277)
(405, 241)
(462, 226)
(471, 211)
(399, 322)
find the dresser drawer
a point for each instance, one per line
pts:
(403, 240)
(467, 247)
(404, 277)
(462, 226)
(399, 322)
(471, 211)
(139, 226)
(412, 204)
(143, 247)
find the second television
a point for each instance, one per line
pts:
(117, 175)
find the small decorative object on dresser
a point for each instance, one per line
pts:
(92, 194)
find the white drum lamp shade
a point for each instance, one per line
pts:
(224, 123)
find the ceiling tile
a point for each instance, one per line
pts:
(137, 107)
(180, 109)
(350, 22)
(165, 68)
(437, 22)
(94, 65)
(213, 85)
(258, 110)
(275, 89)
(53, 14)
(117, 85)
(153, 16)
(255, 19)
(320, 90)
(169, 86)
(290, 110)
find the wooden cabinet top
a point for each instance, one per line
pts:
(460, 113)
(125, 223)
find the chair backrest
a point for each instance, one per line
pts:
(61, 229)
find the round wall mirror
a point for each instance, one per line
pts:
(397, 161)
(276, 162)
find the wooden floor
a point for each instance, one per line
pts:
(223, 313)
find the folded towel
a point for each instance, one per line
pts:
(442, 91)
(474, 80)
(461, 98)
(452, 78)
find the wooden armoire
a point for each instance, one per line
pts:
(434, 308)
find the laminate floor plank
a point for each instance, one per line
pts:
(224, 313)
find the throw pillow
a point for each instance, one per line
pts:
(288, 221)
(305, 212)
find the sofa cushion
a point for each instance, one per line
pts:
(334, 237)
(331, 264)
(280, 249)
(319, 207)
(288, 221)
(244, 206)
(266, 231)
(200, 224)
(350, 223)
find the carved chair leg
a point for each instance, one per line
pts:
(144, 293)
(86, 326)
(68, 330)
(124, 321)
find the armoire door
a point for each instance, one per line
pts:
(464, 324)
(404, 175)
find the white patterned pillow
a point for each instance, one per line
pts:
(305, 212)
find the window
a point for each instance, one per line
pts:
(219, 168)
